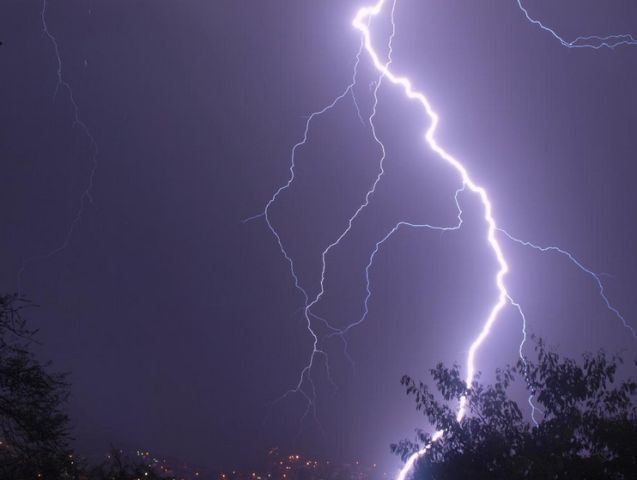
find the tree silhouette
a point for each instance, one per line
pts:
(587, 426)
(33, 426)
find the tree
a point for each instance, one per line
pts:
(33, 426)
(587, 428)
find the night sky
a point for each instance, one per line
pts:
(180, 324)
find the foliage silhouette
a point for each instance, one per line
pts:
(587, 427)
(34, 429)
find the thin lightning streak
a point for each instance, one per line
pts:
(370, 192)
(534, 409)
(305, 376)
(596, 277)
(594, 42)
(335, 332)
(306, 373)
(86, 196)
(376, 249)
(292, 173)
(343, 332)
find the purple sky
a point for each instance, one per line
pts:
(179, 324)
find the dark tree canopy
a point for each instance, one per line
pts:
(33, 426)
(587, 422)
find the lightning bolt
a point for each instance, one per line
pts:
(362, 21)
(594, 42)
(467, 183)
(86, 196)
(504, 296)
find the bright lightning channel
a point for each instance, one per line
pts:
(467, 182)
(594, 42)
(503, 296)
(86, 196)
(362, 23)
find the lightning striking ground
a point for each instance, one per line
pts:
(86, 196)
(594, 42)
(362, 22)
(467, 182)
(504, 296)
